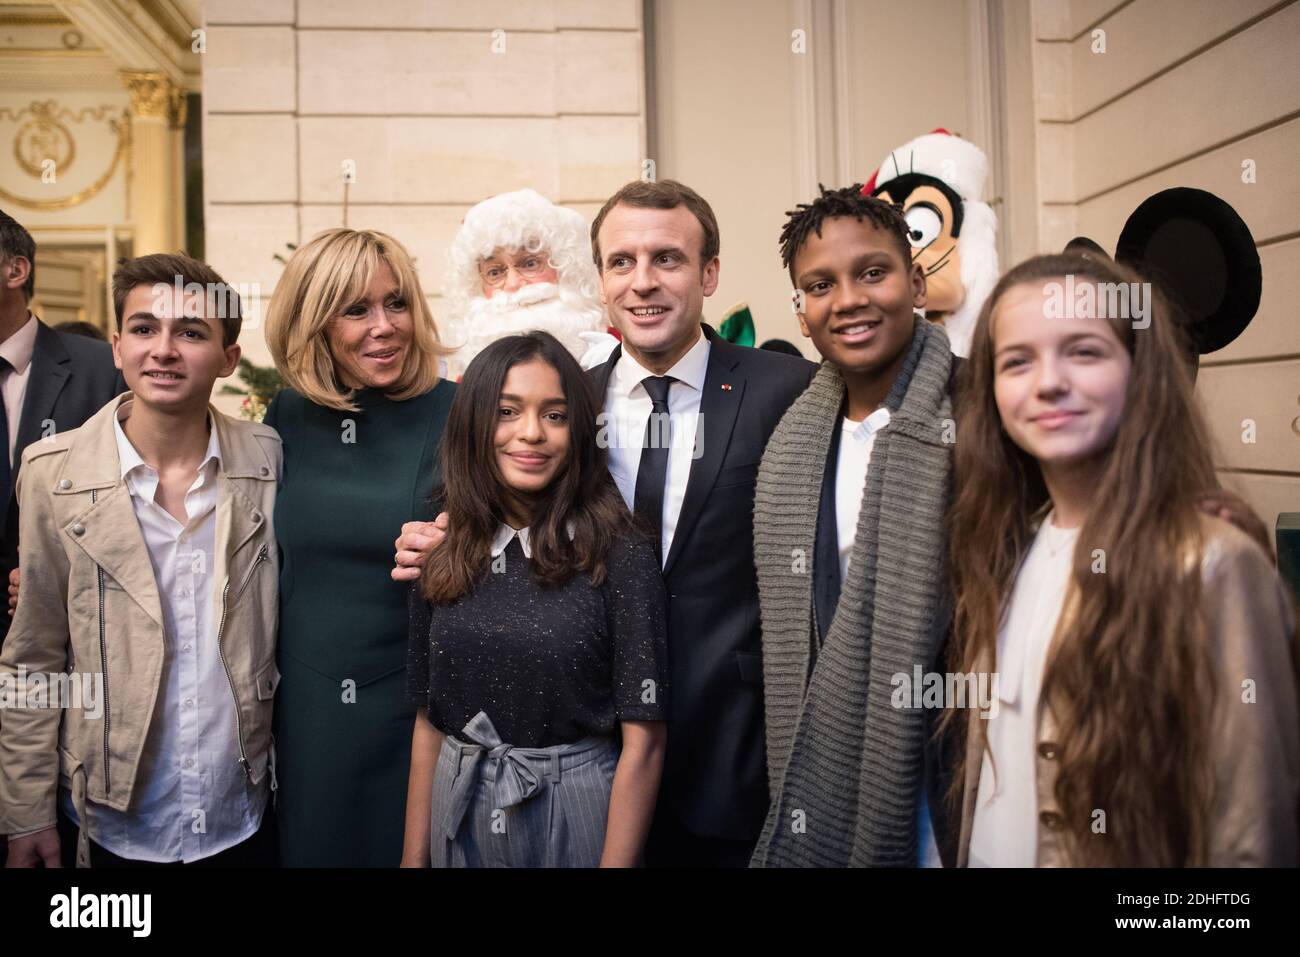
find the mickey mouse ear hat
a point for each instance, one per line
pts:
(1203, 256)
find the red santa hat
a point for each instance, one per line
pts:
(958, 162)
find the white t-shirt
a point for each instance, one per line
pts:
(1005, 829)
(857, 439)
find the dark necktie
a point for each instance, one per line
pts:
(653, 471)
(6, 471)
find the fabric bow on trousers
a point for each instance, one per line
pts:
(495, 805)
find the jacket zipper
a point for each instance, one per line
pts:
(239, 721)
(103, 655)
(262, 556)
(275, 786)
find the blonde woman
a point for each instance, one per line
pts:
(362, 419)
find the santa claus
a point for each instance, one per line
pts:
(939, 181)
(519, 262)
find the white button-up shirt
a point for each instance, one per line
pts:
(193, 798)
(627, 410)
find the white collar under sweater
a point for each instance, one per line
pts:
(505, 533)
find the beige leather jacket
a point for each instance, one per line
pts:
(1254, 747)
(89, 605)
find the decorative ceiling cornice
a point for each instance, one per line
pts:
(11, 19)
(58, 71)
(134, 40)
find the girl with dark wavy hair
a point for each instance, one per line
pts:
(537, 634)
(1146, 710)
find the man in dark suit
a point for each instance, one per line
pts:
(656, 246)
(50, 381)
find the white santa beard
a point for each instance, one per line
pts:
(488, 320)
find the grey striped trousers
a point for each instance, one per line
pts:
(499, 806)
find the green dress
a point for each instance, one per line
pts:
(342, 721)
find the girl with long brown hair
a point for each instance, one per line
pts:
(538, 634)
(1146, 710)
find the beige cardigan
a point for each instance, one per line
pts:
(1254, 747)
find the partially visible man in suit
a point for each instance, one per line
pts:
(49, 381)
(656, 246)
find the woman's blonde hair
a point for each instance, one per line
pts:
(323, 278)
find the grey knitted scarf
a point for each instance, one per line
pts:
(845, 767)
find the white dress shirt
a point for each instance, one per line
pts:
(627, 410)
(857, 439)
(193, 798)
(1004, 832)
(18, 349)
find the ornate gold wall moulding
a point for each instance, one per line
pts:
(39, 140)
(47, 107)
(63, 53)
(151, 93)
(34, 20)
(36, 140)
(154, 95)
(119, 230)
(43, 138)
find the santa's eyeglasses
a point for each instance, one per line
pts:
(495, 272)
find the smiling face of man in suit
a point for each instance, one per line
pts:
(654, 281)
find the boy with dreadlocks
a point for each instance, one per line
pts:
(849, 541)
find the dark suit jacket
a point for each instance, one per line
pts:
(715, 775)
(71, 378)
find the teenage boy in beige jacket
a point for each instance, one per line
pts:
(140, 666)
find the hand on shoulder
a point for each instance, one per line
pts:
(413, 546)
